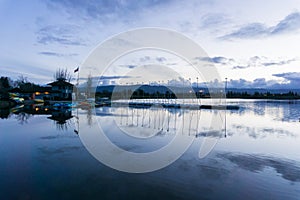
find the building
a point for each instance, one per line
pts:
(61, 90)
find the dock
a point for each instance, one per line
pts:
(172, 105)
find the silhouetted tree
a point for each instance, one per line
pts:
(21, 81)
(62, 75)
(4, 87)
(4, 84)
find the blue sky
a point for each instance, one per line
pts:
(253, 43)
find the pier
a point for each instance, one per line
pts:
(166, 104)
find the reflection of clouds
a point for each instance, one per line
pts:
(131, 148)
(256, 132)
(52, 137)
(49, 152)
(288, 169)
(215, 134)
(256, 119)
(278, 110)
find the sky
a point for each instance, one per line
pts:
(252, 43)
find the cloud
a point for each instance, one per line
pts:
(106, 77)
(161, 59)
(282, 62)
(48, 53)
(103, 9)
(240, 67)
(289, 24)
(248, 31)
(288, 169)
(214, 20)
(131, 66)
(218, 60)
(290, 76)
(64, 34)
(145, 59)
(35, 74)
(292, 81)
(241, 83)
(255, 61)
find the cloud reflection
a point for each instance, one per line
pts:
(288, 169)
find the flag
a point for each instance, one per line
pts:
(76, 70)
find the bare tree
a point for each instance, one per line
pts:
(62, 75)
(21, 80)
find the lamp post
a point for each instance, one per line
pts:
(225, 90)
(197, 88)
(190, 96)
(226, 106)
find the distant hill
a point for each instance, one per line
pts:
(175, 89)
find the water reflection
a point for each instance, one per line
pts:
(164, 121)
(23, 117)
(289, 170)
(60, 116)
(4, 113)
(167, 121)
(256, 157)
(247, 120)
(260, 132)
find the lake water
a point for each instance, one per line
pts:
(44, 153)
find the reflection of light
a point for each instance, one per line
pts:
(46, 92)
(46, 109)
(37, 93)
(36, 109)
(190, 91)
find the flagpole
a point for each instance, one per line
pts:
(77, 95)
(77, 89)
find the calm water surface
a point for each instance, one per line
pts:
(257, 155)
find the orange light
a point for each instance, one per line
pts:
(46, 109)
(37, 93)
(36, 109)
(46, 92)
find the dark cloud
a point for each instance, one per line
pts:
(48, 53)
(64, 34)
(161, 59)
(255, 61)
(128, 66)
(290, 76)
(292, 82)
(240, 83)
(259, 83)
(106, 77)
(131, 66)
(217, 59)
(289, 24)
